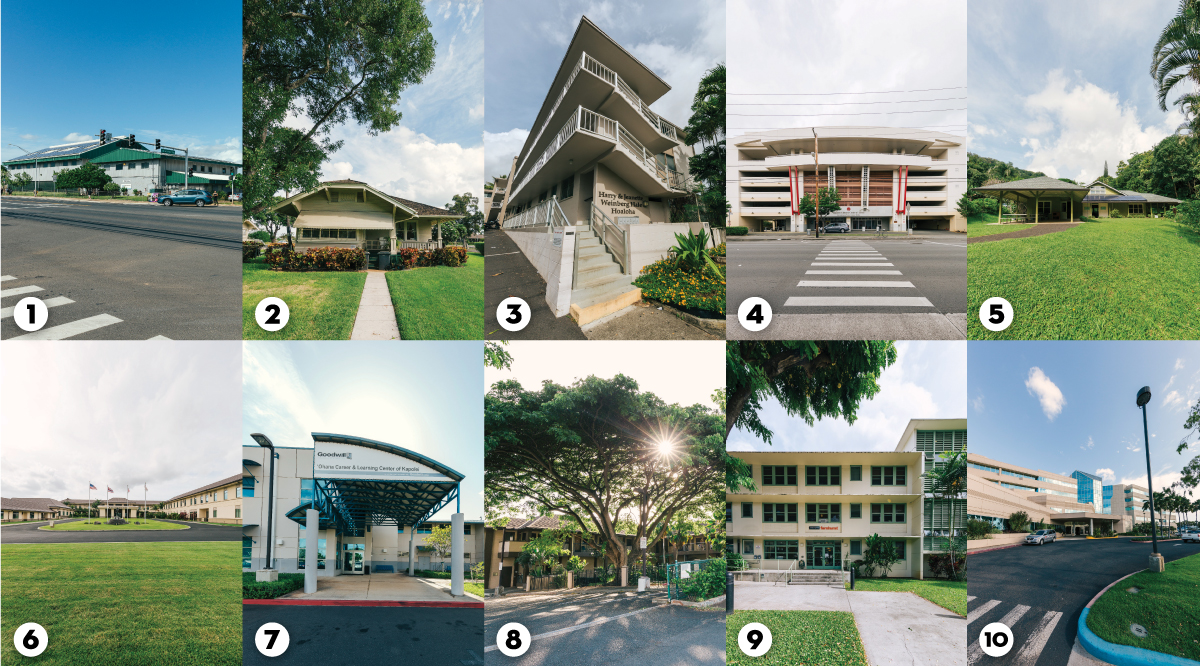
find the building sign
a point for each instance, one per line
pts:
(335, 460)
(826, 528)
(167, 151)
(622, 204)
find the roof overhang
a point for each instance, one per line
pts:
(294, 204)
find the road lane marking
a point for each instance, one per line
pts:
(50, 303)
(63, 331)
(975, 652)
(17, 291)
(856, 283)
(6, 278)
(585, 625)
(970, 598)
(1032, 649)
(857, 301)
(980, 610)
(852, 272)
(160, 337)
(842, 263)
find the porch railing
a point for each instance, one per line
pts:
(386, 244)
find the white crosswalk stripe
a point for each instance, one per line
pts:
(59, 331)
(1032, 649)
(982, 609)
(1031, 631)
(853, 257)
(975, 651)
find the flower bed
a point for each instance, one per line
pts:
(280, 257)
(718, 251)
(251, 249)
(413, 258)
(665, 281)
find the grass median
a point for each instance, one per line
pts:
(82, 526)
(322, 305)
(951, 595)
(1167, 604)
(439, 302)
(811, 638)
(127, 603)
(1120, 279)
(985, 225)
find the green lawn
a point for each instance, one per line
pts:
(1112, 280)
(1167, 605)
(474, 588)
(127, 603)
(322, 305)
(439, 303)
(985, 225)
(811, 638)
(81, 526)
(951, 595)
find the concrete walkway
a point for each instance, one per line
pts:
(897, 628)
(376, 318)
(375, 587)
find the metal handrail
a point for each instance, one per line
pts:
(546, 214)
(611, 234)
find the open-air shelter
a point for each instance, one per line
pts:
(1048, 199)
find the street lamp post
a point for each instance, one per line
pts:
(1156, 559)
(268, 573)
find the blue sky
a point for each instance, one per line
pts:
(437, 150)
(925, 382)
(71, 69)
(423, 396)
(527, 39)
(1061, 87)
(808, 63)
(1066, 406)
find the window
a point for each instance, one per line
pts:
(237, 513)
(887, 513)
(822, 475)
(247, 546)
(225, 494)
(779, 475)
(781, 550)
(856, 511)
(120, 166)
(729, 512)
(856, 548)
(780, 513)
(1135, 209)
(307, 489)
(856, 472)
(888, 475)
(901, 551)
(567, 187)
(747, 546)
(237, 492)
(510, 536)
(145, 165)
(466, 529)
(823, 513)
(747, 509)
(426, 529)
(248, 486)
(1043, 207)
(214, 513)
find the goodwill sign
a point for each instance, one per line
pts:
(335, 460)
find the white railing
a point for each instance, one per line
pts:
(612, 235)
(546, 214)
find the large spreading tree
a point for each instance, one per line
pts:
(706, 129)
(810, 379)
(607, 456)
(311, 65)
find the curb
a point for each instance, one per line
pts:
(363, 602)
(1122, 655)
(716, 326)
(988, 550)
(707, 602)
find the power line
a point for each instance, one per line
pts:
(877, 92)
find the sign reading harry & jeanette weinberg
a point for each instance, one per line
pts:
(621, 204)
(336, 460)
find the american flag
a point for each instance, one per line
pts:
(110, 489)
(92, 486)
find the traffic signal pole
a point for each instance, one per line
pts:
(817, 193)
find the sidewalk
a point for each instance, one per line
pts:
(509, 273)
(376, 318)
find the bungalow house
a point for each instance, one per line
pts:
(1104, 200)
(1045, 199)
(32, 508)
(352, 214)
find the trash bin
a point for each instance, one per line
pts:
(385, 260)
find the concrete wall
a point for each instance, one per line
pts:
(554, 263)
(649, 242)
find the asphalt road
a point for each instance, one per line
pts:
(508, 273)
(1061, 577)
(198, 532)
(373, 635)
(112, 271)
(857, 285)
(660, 635)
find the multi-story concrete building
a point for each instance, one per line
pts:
(494, 198)
(1127, 502)
(133, 165)
(815, 510)
(895, 178)
(217, 502)
(588, 199)
(996, 490)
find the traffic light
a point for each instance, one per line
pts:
(132, 140)
(158, 144)
(192, 170)
(102, 134)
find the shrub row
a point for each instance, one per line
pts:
(737, 231)
(281, 257)
(479, 247)
(252, 589)
(665, 281)
(251, 250)
(453, 257)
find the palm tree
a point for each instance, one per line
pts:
(1177, 59)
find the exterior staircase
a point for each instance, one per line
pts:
(830, 577)
(600, 288)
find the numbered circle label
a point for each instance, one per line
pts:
(30, 313)
(272, 639)
(513, 313)
(996, 639)
(30, 639)
(754, 314)
(754, 639)
(513, 639)
(272, 314)
(996, 314)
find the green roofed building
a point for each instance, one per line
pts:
(132, 164)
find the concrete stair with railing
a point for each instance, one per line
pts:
(831, 577)
(600, 288)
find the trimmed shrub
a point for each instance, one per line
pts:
(414, 258)
(939, 564)
(979, 529)
(737, 231)
(479, 247)
(117, 521)
(251, 250)
(288, 582)
(281, 257)
(261, 235)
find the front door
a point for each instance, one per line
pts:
(353, 562)
(824, 555)
(1095, 210)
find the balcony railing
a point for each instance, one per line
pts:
(587, 62)
(546, 214)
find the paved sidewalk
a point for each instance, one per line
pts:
(376, 318)
(509, 273)
(378, 587)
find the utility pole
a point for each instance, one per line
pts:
(817, 184)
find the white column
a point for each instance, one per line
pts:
(456, 555)
(412, 548)
(312, 533)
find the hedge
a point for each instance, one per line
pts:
(413, 258)
(288, 582)
(281, 257)
(479, 247)
(250, 250)
(737, 231)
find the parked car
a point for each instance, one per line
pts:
(836, 228)
(1190, 536)
(1041, 537)
(196, 197)
(492, 224)
(235, 197)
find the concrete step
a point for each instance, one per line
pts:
(587, 241)
(587, 275)
(595, 260)
(603, 296)
(592, 251)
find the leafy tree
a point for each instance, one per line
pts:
(879, 554)
(539, 554)
(21, 181)
(949, 480)
(968, 207)
(600, 450)
(830, 202)
(467, 204)
(706, 128)
(87, 175)
(979, 529)
(261, 235)
(495, 356)
(320, 64)
(1176, 61)
(439, 540)
(1190, 478)
(1018, 521)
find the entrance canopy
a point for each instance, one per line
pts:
(1032, 190)
(360, 482)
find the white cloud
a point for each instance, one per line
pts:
(74, 137)
(1047, 393)
(1179, 363)
(982, 130)
(1106, 474)
(977, 403)
(476, 112)
(1173, 399)
(1076, 126)
(1161, 480)
(1090, 444)
(407, 164)
(500, 149)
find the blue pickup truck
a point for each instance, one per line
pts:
(197, 197)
